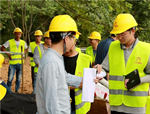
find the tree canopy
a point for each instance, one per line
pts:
(90, 15)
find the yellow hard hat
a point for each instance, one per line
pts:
(77, 36)
(46, 34)
(63, 23)
(17, 30)
(122, 23)
(2, 92)
(1, 60)
(95, 35)
(38, 33)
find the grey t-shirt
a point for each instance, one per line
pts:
(36, 56)
(105, 66)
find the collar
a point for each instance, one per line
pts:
(55, 52)
(132, 46)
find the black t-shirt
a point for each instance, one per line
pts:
(70, 66)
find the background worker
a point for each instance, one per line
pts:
(14, 58)
(94, 39)
(52, 94)
(38, 36)
(102, 50)
(38, 52)
(78, 61)
(125, 55)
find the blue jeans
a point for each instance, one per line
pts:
(8, 89)
(12, 69)
(34, 83)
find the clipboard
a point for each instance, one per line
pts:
(134, 79)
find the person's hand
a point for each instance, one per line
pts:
(9, 57)
(98, 67)
(125, 82)
(80, 86)
(72, 88)
(96, 80)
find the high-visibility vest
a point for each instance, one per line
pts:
(138, 59)
(16, 58)
(83, 61)
(148, 105)
(89, 51)
(78, 49)
(33, 45)
(40, 55)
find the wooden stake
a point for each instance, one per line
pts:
(22, 65)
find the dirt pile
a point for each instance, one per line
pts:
(27, 83)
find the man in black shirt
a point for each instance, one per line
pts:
(75, 63)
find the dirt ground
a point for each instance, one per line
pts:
(27, 82)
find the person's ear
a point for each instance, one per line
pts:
(66, 38)
(133, 31)
(75, 42)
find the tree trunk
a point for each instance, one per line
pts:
(11, 15)
(23, 28)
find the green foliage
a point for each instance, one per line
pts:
(90, 15)
(141, 11)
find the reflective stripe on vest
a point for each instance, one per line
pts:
(40, 55)
(125, 92)
(89, 51)
(117, 70)
(83, 61)
(16, 58)
(33, 46)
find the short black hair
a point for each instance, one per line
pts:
(45, 38)
(55, 37)
(130, 29)
(113, 35)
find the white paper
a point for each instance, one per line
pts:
(101, 90)
(101, 74)
(88, 84)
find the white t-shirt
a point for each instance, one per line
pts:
(6, 44)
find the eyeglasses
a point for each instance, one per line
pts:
(75, 39)
(122, 34)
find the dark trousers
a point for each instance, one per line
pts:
(32, 74)
(114, 112)
(8, 89)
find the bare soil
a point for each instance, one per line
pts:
(27, 82)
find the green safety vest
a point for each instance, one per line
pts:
(89, 51)
(33, 45)
(148, 105)
(40, 55)
(78, 49)
(138, 59)
(16, 58)
(83, 61)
